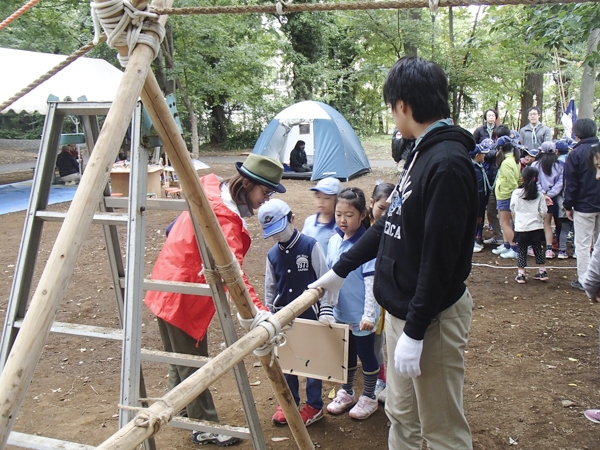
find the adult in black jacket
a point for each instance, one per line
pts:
(423, 248)
(298, 160)
(68, 166)
(582, 195)
(486, 130)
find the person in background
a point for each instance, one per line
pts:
(298, 160)
(535, 132)
(401, 148)
(418, 281)
(582, 195)
(550, 185)
(508, 179)
(529, 208)
(295, 261)
(483, 187)
(322, 224)
(563, 147)
(183, 319)
(68, 166)
(528, 157)
(486, 131)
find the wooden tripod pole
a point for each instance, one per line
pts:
(131, 435)
(25, 353)
(200, 208)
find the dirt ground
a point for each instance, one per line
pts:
(531, 361)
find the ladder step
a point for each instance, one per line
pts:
(210, 427)
(102, 218)
(178, 287)
(43, 443)
(151, 203)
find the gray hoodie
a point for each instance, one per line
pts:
(542, 134)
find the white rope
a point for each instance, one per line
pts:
(515, 267)
(434, 6)
(266, 320)
(279, 6)
(123, 24)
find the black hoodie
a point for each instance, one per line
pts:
(424, 247)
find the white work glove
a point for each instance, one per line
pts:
(407, 357)
(331, 282)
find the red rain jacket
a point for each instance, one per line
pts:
(179, 260)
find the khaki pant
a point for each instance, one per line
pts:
(430, 406)
(586, 227)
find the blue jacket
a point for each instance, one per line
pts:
(582, 189)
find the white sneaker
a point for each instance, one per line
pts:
(509, 254)
(382, 396)
(477, 247)
(379, 387)
(341, 402)
(500, 249)
(493, 241)
(364, 408)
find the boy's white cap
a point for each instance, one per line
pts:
(273, 217)
(328, 186)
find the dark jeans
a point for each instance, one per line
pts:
(314, 389)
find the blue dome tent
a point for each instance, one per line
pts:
(331, 144)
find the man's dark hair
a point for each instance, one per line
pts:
(422, 85)
(501, 130)
(487, 111)
(534, 108)
(585, 128)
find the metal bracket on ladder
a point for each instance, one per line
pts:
(128, 281)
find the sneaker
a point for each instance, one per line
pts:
(593, 415)
(310, 415)
(562, 254)
(340, 403)
(577, 285)
(521, 278)
(365, 407)
(500, 249)
(549, 254)
(279, 417)
(530, 252)
(477, 247)
(380, 386)
(509, 254)
(220, 440)
(479, 240)
(382, 396)
(493, 241)
(542, 276)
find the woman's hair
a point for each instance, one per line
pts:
(298, 144)
(356, 198)
(547, 161)
(381, 192)
(237, 189)
(593, 154)
(530, 190)
(503, 150)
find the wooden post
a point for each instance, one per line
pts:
(22, 360)
(131, 435)
(200, 208)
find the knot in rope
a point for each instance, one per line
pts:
(149, 419)
(434, 6)
(210, 276)
(266, 320)
(123, 24)
(279, 6)
(231, 273)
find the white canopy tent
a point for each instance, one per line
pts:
(95, 79)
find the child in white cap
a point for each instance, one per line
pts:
(295, 261)
(321, 225)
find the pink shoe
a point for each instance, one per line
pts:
(593, 415)
(364, 408)
(340, 403)
(549, 254)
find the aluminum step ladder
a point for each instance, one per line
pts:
(128, 279)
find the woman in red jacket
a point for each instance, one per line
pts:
(183, 319)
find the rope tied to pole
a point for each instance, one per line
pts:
(124, 23)
(266, 320)
(231, 273)
(279, 5)
(148, 419)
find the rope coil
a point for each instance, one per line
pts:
(279, 5)
(231, 273)
(266, 320)
(148, 419)
(124, 25)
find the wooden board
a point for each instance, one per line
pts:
(315, 350)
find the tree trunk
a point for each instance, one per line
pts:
(532, 94)
(410, 49)
(588, 79)
(219, 130)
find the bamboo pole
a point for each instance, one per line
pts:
(131, 435)
(200, 208)
(22, 360)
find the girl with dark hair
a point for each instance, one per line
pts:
(550, 185)
(508, 179)
(378, 205)
(529, 207)
(298, 160)
(356, 306)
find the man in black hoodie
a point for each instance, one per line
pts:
(423, 248)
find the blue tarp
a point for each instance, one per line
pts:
(15, 197)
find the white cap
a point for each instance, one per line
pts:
(273, 217)
(328, 186)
